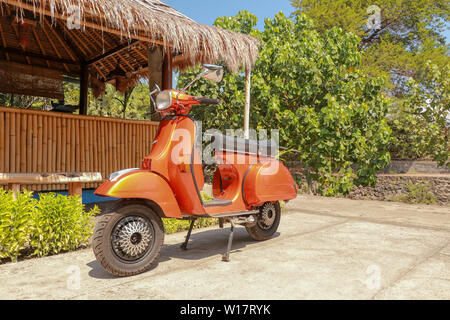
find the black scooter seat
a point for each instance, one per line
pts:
(248, 146)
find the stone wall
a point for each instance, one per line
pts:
(394, 187)
(414, 166)
(399, 180)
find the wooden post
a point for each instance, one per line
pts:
(84, 88)
(15, 188)
(167, 71)
(155, 63)
(248, 76)
(75, 189)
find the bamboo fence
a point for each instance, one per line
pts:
(49, 142)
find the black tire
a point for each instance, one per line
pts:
(106, 247)
(260, 231)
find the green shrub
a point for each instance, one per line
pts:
(60, 224)
(174, 225)
(418, 193)
(15, 226)
(50, 225)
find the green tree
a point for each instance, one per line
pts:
(24, 101)
(420, 121)
(409, 33)
(409, 48)
(308, 85)
(134, 104)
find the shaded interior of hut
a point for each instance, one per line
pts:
(44, 43)
(39, 53)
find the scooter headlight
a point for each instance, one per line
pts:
(164, 100)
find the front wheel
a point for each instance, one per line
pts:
(128, 241)
(267, 222)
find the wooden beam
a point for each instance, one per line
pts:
(66, 47)
(74, 39)
(16, 31)
(49, 178)
(95, 36)
(37, 55)
(102, 58)
(113, 51)
(92, 25)
(5, 45)
(49, 39)
(70, 48)
(84, 89)
(24, 20)
(143, 56)
(40, 46)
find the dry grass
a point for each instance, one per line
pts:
(154, 19)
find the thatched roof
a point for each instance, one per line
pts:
(130, 24)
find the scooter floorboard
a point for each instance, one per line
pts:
(221, 215)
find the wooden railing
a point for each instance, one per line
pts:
(39, 141)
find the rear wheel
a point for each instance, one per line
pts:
(128, 241)
(267, 222)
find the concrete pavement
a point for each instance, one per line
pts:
(324, 249)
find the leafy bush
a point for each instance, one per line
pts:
(50, 225)
(15, 226)
(60, 224)
(310, 86)
(174, 225)
(420, 122)
(418, 193)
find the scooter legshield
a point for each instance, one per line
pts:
(142, 184)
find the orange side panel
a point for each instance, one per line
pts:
(142, 185)
(181, 182)
(268, 181)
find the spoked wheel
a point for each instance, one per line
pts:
(128, 240)
(267, 222)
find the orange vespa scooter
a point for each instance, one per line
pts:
(248, 185)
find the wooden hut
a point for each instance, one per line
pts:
(97, 42)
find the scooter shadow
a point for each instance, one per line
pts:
(202, 245)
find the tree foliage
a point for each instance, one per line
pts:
(409, 33)
(134, 104)
(24, 101)
(420, 121)
(409, 48)
(308, 85)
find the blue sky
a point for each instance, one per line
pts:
(207, 11)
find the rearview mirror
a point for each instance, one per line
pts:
(212, 72)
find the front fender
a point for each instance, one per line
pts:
(141, 184)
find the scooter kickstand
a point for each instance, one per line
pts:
(226, 256)
(184, 245)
